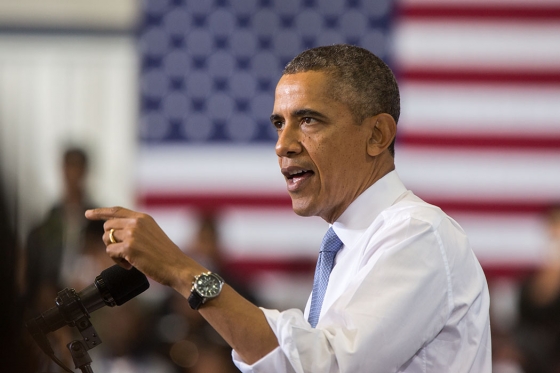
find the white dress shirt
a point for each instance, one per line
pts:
(406, 294)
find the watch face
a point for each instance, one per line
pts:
(208, 286)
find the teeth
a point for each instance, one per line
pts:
(297, 172)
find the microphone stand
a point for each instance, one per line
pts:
(113, 287)
(81, 358)
(79, 349)
(75, 315)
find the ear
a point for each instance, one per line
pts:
(383, 130)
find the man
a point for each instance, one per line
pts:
(54, 246)
(537, 335)
(406, 293)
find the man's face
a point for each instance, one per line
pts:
(321, 149)
(74, 172)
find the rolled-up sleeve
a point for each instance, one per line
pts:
(397, 300)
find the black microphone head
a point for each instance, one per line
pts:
(122, 284)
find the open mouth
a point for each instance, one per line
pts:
(297, 178)
(299, 174)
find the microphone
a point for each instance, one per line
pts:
(114, 286)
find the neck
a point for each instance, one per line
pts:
(380, 166)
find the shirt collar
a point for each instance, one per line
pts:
(355, 220)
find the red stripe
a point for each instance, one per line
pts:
(477, 77)
(481, 206)
(518, 271)
(482, 12)
(499, 142)
(210, 202)
(247, 269)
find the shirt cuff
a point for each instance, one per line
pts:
(275, 360)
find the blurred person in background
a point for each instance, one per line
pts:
(54, 245)
(538, 332)
(190, 342)
(128, 341)
(506, 355)
(206, 248)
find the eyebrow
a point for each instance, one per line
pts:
(300, 113)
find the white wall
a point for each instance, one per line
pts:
(98, 14)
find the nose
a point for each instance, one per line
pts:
(289, 141)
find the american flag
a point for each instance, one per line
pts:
(479, 133)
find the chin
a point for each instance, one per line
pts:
(302, 209)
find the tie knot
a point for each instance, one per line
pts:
(331, 242)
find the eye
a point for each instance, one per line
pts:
(278, 124)
(308, 120)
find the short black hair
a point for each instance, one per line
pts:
(359, 78)
(76, 155)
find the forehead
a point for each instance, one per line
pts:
(311, 87)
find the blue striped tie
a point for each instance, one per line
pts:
(330, 246)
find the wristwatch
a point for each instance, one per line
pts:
(205, 286)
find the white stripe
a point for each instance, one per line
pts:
(487, 175)
(481, 44)
(210, 169)
(280, 234)
(495, 175)
(530, 110)
(505, 239)
(255, 233)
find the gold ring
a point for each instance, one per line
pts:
(111, 237)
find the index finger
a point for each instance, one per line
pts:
(106, 213)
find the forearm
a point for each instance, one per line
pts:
(242, 324)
